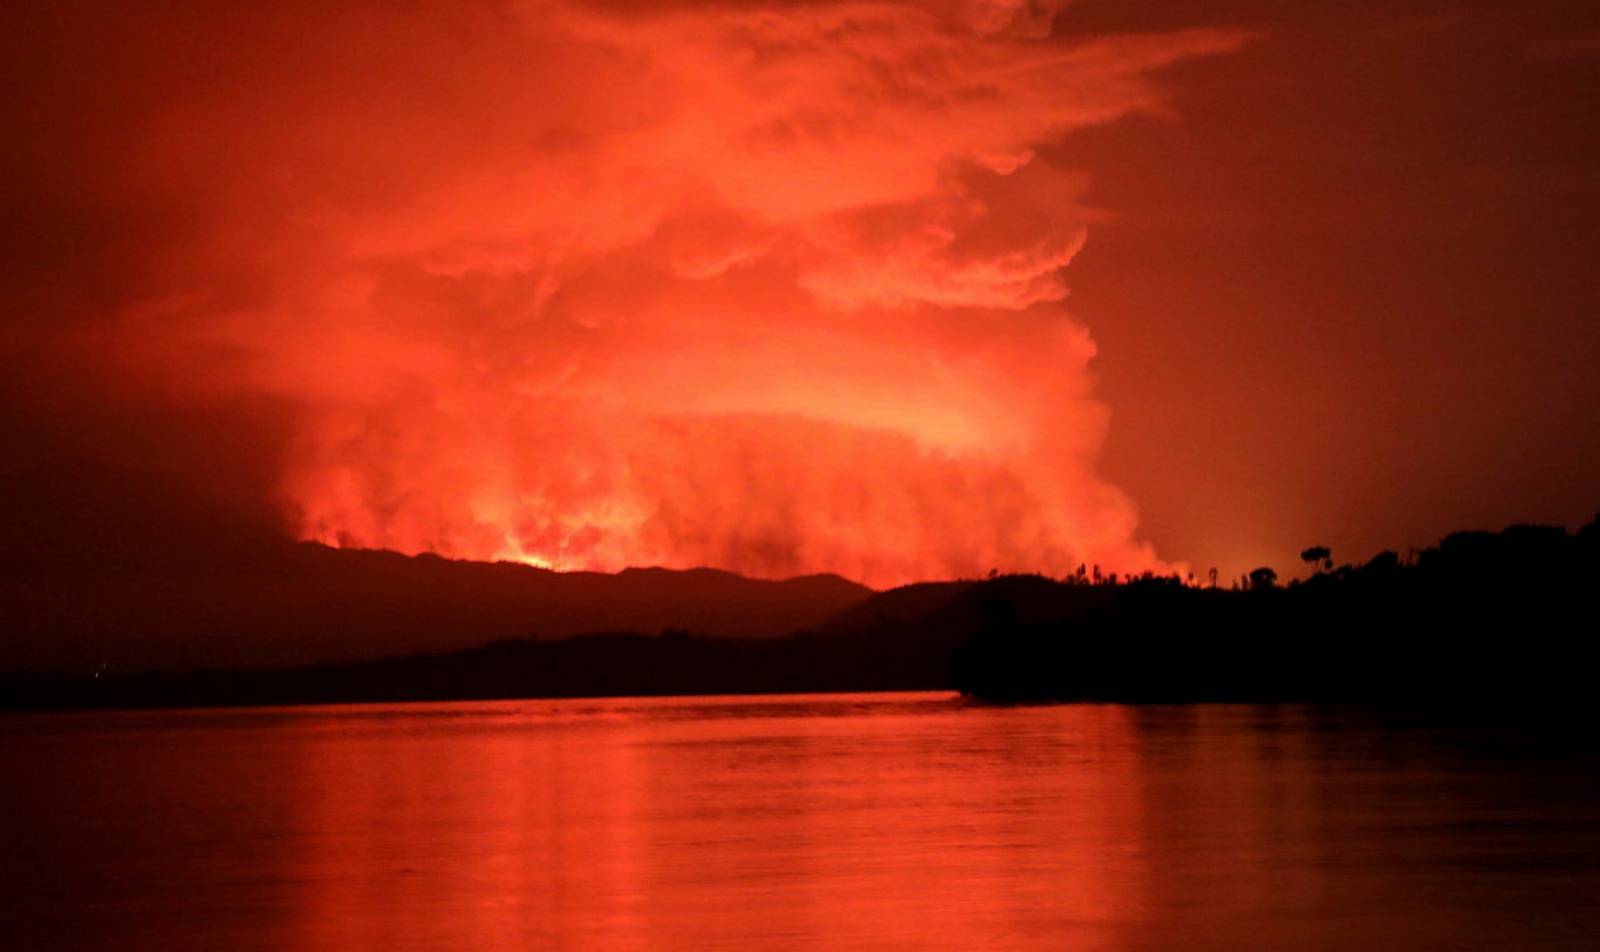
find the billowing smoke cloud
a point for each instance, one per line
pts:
(775, 287)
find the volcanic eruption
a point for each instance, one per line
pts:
(770, 287)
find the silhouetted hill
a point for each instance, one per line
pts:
(107, 566)
(1495, 621)
(894, 607)
(287, 603)
(1481, 619)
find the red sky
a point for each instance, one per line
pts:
(1346, 294)
(893, 290)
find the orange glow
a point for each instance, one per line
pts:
(777, 290)
(783, 831)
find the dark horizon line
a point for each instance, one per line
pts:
(996, 572)
(1386, 629)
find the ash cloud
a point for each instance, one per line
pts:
(771, 287)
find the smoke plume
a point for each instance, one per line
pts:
(774, 287)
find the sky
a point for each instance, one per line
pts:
(897, 291)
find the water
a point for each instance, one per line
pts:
(818, 822)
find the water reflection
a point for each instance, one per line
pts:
(848, 822)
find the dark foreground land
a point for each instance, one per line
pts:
(1480, 618)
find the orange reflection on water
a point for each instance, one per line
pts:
(831, 821)
(650, 825)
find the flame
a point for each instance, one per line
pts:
(769, 287)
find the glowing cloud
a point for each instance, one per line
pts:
(772, 287)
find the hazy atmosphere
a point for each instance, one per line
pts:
(896, 292)
(780, 475)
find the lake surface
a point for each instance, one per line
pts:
(886, 821)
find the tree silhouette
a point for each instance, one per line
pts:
(1318, 554)
(1263, 578)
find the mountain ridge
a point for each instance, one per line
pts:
(290, 603)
